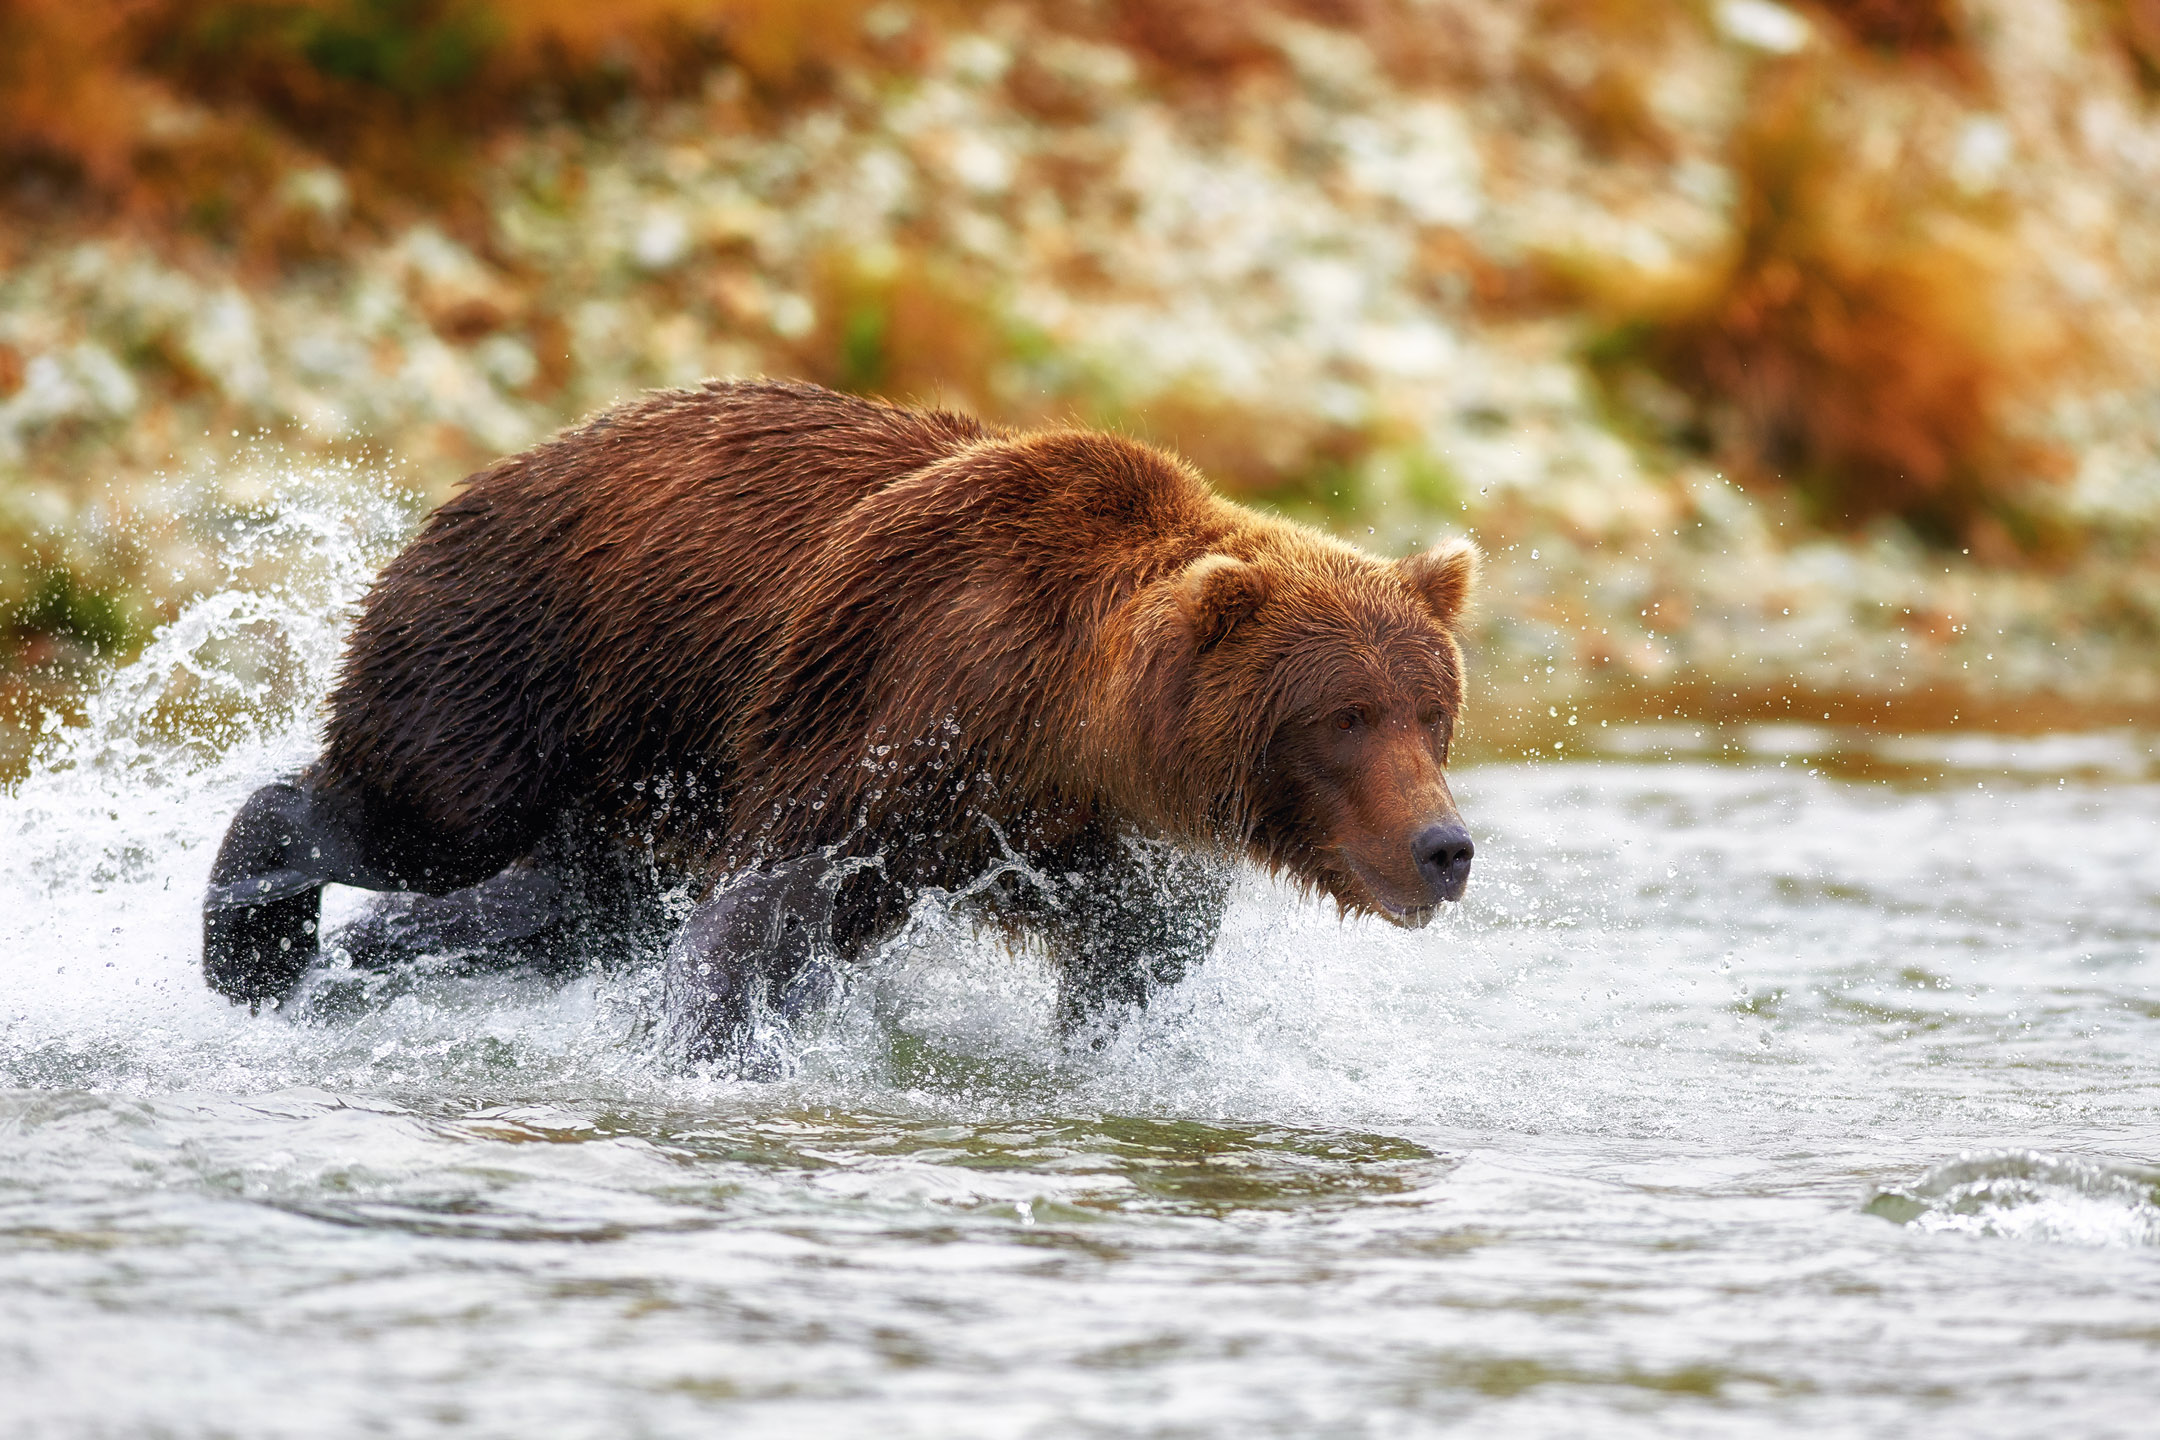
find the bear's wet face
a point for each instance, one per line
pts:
(1355, 681)
(1355, 802)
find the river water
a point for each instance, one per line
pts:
(1770, 1081)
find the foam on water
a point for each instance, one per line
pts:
(2025, 1195)
(1611, 1147)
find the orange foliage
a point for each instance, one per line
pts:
(1216, 40)
(1203, 37)
(63, 92)
(1905, 26)
(1594, 62)
(2136, 27)
(193, 110)
(777, 41)
(1847, 349)
(906, 328)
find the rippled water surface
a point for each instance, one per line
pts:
(1797, 1083)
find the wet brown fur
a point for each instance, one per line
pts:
(753, 620)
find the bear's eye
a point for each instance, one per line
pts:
(1349, 719)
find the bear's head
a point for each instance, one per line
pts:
(1324, 690)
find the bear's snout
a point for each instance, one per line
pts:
(1442, 853)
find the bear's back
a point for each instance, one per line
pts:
(588, 612)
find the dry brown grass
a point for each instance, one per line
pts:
(1849, 346)
(193, 114)
(2135, 26)
(1594, 61)
(1906, 27)
(1209, 38)
(904, 326)
(1199, 44)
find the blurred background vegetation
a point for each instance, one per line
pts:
(1790, 359)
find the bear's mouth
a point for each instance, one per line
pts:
(1363, 894)
(1415, 917)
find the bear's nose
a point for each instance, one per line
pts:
(1443, 856)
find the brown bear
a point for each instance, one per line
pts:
(819, 655)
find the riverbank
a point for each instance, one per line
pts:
(1524, 284)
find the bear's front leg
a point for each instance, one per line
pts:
(763, 941)
(1141, 915)
(260, 915)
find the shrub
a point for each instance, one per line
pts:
(1848, 345)
(195, 110)
(1594, 62)
(2135, 26)
(906, 327)
(1899, 26)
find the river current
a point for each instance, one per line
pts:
(1770, 1081)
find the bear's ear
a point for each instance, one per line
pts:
(1216, 592)
(1442, 577)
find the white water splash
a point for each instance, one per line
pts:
(2027, 1195)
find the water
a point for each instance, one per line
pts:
(1800, 1083)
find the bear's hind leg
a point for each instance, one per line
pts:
(517, 913)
